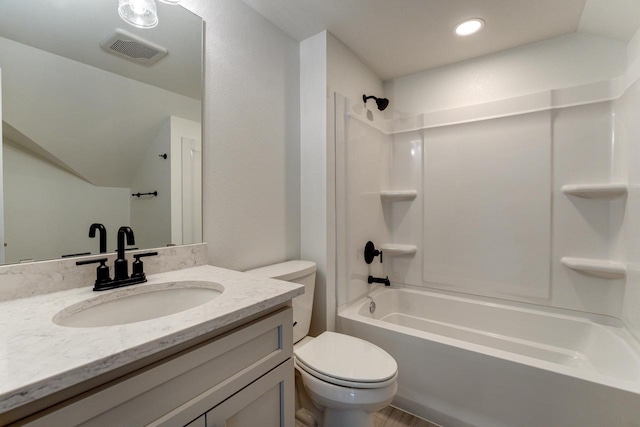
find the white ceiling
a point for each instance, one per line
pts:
(400, 37)
(74, 28)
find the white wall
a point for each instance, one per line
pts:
(570, 60)
(582, 147)
(348, 76)
(39, 223)
(251, 137)
(71, 109)
(314, 230)
(326, 66)
(633, 49)
(151, 216)
(2, 239)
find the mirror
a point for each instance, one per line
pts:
(92, 134)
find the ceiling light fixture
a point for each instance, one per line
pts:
(468, 27)
(139, 13)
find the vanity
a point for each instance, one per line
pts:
(77, 357)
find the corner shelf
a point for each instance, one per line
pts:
(392, 249)
(605, 269)
(398, 195)
(595, 191)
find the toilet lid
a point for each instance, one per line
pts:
(347, 358)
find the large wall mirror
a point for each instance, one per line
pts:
(86, 128)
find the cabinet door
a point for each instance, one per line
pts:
(267, 402)
(198, 422)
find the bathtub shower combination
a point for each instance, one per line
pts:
(463, 361)
(508, 232)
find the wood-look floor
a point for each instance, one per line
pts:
(393, 417)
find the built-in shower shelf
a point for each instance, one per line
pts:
(398, 195)
(392, 249)
(606, 269)
(595, 191)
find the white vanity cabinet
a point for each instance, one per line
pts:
(244, 377)
(263, 403)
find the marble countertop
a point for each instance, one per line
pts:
(38, 357)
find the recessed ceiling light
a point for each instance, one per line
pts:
(468, 27)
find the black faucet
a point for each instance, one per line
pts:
(385, 281)
(121, 265)
(121, 277)
(103, 236)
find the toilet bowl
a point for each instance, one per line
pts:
(345, 378)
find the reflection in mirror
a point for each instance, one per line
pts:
(85, 128)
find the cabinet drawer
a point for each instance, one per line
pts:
(172, 385)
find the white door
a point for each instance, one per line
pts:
(2, 242)
(191, 191)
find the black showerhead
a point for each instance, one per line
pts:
(382, 102)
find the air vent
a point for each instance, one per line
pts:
(132, 47)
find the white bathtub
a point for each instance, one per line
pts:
(466, 362)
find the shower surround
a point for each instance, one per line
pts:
(525, 203)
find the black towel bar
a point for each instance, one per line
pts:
(155, 193)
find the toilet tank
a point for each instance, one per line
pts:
(296, 271)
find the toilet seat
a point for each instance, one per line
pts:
(347, 361)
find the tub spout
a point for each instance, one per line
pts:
(386, 280)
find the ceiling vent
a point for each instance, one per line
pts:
(133, 48)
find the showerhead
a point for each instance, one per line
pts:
(382, 102)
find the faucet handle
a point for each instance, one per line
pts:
(138, 266)
(102, 272)
(370, 252)
(138, 256)
(102, 261)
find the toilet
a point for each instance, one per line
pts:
(345, 378)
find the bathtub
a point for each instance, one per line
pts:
(469, 362)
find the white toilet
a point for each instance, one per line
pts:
(346, 378)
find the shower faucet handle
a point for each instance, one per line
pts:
(370, 252)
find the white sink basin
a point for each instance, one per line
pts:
(135, 304)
